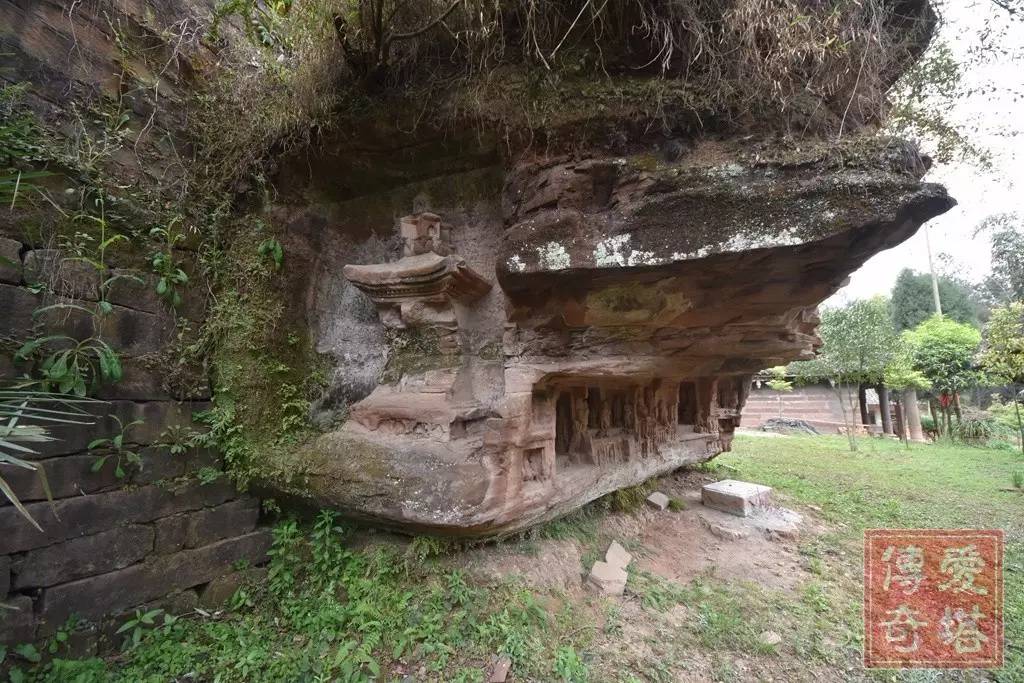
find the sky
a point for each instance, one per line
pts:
(999, 116)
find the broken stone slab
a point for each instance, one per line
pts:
(738, 498)
(499, 669)
(607, 578)
(658, 500)
(10, 261)
(778, 523)
(617, 556)
(723, 531)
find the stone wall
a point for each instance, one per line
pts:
(817, 404)
(156, 535)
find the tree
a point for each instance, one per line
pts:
(779, 383)
(943, 351)
(1003, 355)
(1006, 282)
(858, 343)
(913, 303)
(902, 376)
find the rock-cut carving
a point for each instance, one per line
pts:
(419, 288)
(637, 301)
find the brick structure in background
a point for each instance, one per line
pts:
(817, 404)
(157, 536)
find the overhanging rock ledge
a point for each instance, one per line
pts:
(637, 297)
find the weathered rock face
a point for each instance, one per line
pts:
(638, 297)
(539, 331)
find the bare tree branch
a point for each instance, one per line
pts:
(1007, 5)
(426, 27)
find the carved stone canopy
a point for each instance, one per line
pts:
(425, 277)
(419, 288)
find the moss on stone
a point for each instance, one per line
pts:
(627, 298)
(414, 351)
(265, 369)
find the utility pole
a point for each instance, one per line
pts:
(931, 268)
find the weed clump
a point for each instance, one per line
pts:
(327, 612)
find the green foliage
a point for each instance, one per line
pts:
(924, 102)
(164, 263)
(265, 369)
(913, 301)
(21, 136)
(271, 248)
(207, 475)
(262, 20)
(569, 668)
(631, 498)
(928, 424)
(116, 448)
(1006, 282)
(976, 429)
(778, 381)
(858, 344)
(943, 350)
(676, 504)
(70, 366)
(655, 592)
(21, 143)
(1003, 354)
(43, 409)
(900, 373)
(1018, 479)
(943, 485)
(1004, 412)
(1002, 358)
(135, 627)
(330, 613)
(285, 558)
(424, 548)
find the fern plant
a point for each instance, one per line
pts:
(41, 410)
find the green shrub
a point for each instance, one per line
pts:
(974, 428)
(631, 498)
(928, 424)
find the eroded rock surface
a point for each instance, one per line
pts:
(637, 296)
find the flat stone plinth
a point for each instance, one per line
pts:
(736, 497)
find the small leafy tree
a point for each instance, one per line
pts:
(858, 344)
(943, 351)
(1003, 355)
(779, 383)
(906, 380)
(1006, 283)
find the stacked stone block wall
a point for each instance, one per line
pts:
(156, 536)
(816, 404)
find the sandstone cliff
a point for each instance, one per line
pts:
(476, 265)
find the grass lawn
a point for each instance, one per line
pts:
(885, 485)
(331, 609)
